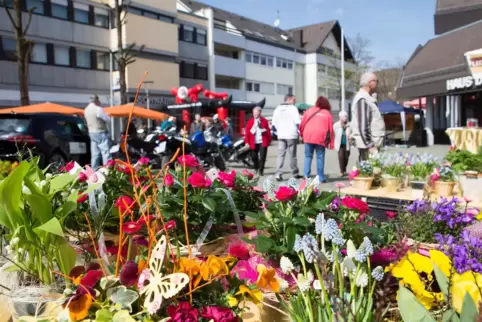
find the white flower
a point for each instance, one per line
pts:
(8, 249)
(43, 183)
(362, 279)
(304, 283)
(48, 176)
(25, 190)
(20, 250)
(286, 265)
(64, 194)
(283, 284)
(14, 241)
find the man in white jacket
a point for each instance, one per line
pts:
(286, 121)
(367, 125)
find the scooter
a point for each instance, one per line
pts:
(205, 147)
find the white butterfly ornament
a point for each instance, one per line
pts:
(161, 287)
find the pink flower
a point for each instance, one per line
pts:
(355, 204)
(391, 214)
(467, 200)
(82, 197)
(146, 219)
(82, 177)
(143, 161)
(227, 179)
(248, 174)
(168, 180)
(285, 193)
(171, 224)
(198, 180)
(340, 185)
(383, 256)
(218, 314)
(189, 161)
(353, 174)
(184, 312)
(208, 183)
(238, 250)
(129, 274)
(131, 227)
(110, 164)
(69, 166)
(143, 277)
(125, 203)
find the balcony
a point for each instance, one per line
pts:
(238, 94)
(231, 67)
(229, 37)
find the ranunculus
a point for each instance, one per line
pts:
(353, 174)
(82, 197)
(110, 164)
(285, 193)
(355, 204)
(188, 160)
(69, 166)
(125, 203)
(198, 180)
(218, 314)
(184, 312)
(248, 174)
(143, 161)
(131, 227)
(82, 177)
(227, 179)
(129, 274)
(239, 251)
(168, 180)
(391, 214)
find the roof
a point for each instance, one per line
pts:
(313, 35)
(456, 5)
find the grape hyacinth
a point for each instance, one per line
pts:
(378, 273)
(364, 251)
(361, 279)
(310, 248)
(465, 252)
(319, 223)
(298, 247)
(332, 233)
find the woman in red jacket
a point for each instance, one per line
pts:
(258, 136)
(316, 129)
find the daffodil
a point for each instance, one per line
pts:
(192, 268)
(442, 261)
(468, 282)
(213, 266)
(254, 296)
(267, 278)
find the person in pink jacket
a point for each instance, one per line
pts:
(316, 129)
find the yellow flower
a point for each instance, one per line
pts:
(254, 296)
(192, 268)
(232, 301)
(229, 260)
(213, 266)
(267, 277)
(406, 271)
(479, 216)
(468, 282)
(442, 261)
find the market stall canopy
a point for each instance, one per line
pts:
(303, 106)
(392, 107)
(44, 108)
(125, 110)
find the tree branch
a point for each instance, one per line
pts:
(4, 2)
(30, 14)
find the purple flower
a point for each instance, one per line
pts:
(465, 252)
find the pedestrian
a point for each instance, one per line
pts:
(316, 129)
(342, 132)
(197, 125)
(367, 124)
(286, 121)
(97, 122)
(168, 124)
(229, 127)
(258, 136)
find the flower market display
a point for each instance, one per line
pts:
(128, 243)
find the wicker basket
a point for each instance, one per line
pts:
(444, 189)
(363, 183)
(391, 184)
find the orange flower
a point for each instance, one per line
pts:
(192, 268)
(213, 266)
(79, 307)
(267, 278)
(254, 296)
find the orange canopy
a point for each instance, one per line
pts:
(125, 110)
(44, 108)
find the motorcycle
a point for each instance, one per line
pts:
(235, 152)
(205, 147)
(136, 149)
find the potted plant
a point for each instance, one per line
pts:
(362, 176)
(393, 169)
(443, 179)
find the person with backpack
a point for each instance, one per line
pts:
(316, 129)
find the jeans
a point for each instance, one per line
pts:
(290, 146)
(259, 158)
(343, 156)
(362, 154)
(99, 149)
(320, 159)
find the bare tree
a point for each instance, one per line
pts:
(388, 75)
(23, 45)
(124, 55)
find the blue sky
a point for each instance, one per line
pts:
(394, 27)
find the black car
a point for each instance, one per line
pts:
(56, 138)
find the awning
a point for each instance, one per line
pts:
(125, 111)
(392, 107)
(44, 108)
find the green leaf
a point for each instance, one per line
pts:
(52, 226)
(252, 214)
(103, 315)
(60, 182)
(108, 283)
(442, 280)
(40, 206)
(291, 237)
(69, 206)
(263, 244)
(11, 214)
(66, 257)
(410, 309)
(125, 297)
(209, 204)
(302, 221)
(469, 309)
(450, 316)
(123, 316)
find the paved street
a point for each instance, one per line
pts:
(332, 170)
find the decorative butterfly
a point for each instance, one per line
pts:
(161, 287)
(94, 177)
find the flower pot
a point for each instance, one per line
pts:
(37, 302)
(470, 187)
(417, 189)
(444, 189)
(391, 184)
(362, 183)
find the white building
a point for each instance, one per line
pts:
(252, 60)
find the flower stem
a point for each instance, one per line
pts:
(129, 248)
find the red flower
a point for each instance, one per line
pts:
(131, 227)
(82, 177)
(82, 197)
(143, 161)
(189, 161)
(171, 224)
(91, 278)
(125, 203)
(239, 251)
(383, 256)
(198, 180)
(168, 180)
(184, 312)
(391, 214)
(355, 204)
(248, 174)
(69, 166)
(218, 314)
(110, 164)
(140, 240)
(129, 274)
(146, 219)
(285, 193)
(227, 179)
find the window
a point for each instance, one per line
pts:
(59, 9)
(266, 88)
(201, 37)
(259, 34)
(81, 13)
(188, 34)
(333, 93)
(256, 88)
(39, 53)
(278, 62)
(290, 65)
(270, 61)
(9, 48)
(83, 58)
(249, 57)
(103, 61)
(37, 4)
(263, 60)
(9, 3)
(187, 70)
(322, 68)
(284, 63)
(284, 89)
(249, 86)
(256, 59)
(101, 17)
(202, 72)
(61, 56)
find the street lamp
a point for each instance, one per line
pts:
(149, 121)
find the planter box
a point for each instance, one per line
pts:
(471, 187)
(391, 184)
(363, 183)
(444, 189)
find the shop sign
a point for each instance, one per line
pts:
(156, 101)
(463, 83)
(474, 62)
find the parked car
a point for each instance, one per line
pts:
(56, 138)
